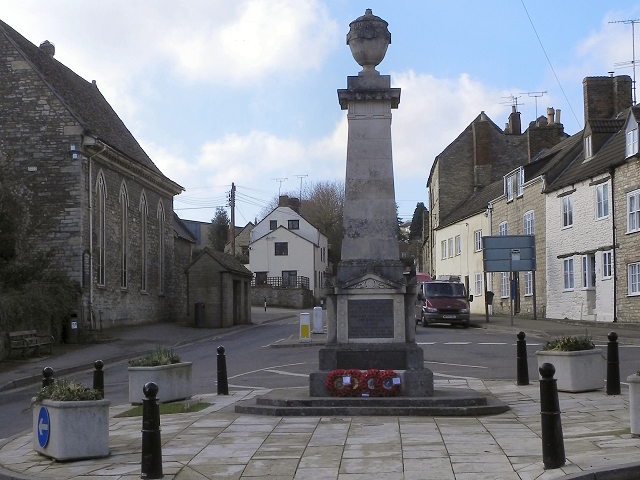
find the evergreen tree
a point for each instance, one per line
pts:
(416, 221)
(219, 233)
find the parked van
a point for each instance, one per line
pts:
(444, 300)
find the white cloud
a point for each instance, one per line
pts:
(431, 115)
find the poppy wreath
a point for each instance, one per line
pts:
(335, 385)
(389, 388)
(371, 383)
(357, 382)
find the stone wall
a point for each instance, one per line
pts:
(626, 180)
(298, 298)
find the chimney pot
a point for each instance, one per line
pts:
(550, 115)
(558, 116)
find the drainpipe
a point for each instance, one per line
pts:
(104, 147)
(615, 240)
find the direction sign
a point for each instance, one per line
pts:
(43, 427)
(506, 253)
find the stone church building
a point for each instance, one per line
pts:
(111, 208)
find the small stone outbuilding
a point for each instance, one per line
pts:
(218, 291)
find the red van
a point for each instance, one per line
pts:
(444, 300)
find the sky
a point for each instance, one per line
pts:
(244, 91)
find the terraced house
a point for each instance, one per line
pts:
(111, 208)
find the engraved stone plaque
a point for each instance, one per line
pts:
(370, 318)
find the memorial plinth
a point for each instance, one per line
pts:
(370, 302)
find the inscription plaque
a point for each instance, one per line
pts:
(370, 318)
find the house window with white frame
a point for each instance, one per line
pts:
(632, 139)
(528, 284)
(458, 245)
(567, 211)
(602, 200)
(528, 227)
(633, 211)
(504, 284)
(281, 248)
(503, 229)
(508, 189)
(588, 150)
(633, 272)
(607, 264)
(588, 271)
(567, 271)
(478, 240)
(478, 284)
(444, 249)
(450, 248)
(520, 182)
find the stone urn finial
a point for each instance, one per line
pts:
(368, 39)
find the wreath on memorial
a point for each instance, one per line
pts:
(355, 383)
(389, 382)
(335, 383)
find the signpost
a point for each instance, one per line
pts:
(43, 427)
(512, 253)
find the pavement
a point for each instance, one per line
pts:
(217, 443)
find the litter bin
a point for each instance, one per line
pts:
(199, 315)
(71, 329)
(489, 297)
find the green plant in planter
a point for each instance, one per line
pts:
(64, 391)
(162, 356)
(570, 343)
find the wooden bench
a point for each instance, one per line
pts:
(29, 341)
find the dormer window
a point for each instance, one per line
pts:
(632, 139)
(588, 149)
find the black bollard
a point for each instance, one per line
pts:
(552, 440)
(613, 365)
(98, 377)
(223, 384)
(521, 360)
(151, 466)
(47, 376)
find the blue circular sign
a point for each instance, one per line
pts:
(43, 427)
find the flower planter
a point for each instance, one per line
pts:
(174, 382)
(578, 371)
(71, 430)
(634, 404)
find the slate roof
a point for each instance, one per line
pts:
(611, 153)
(82, 98)
(227, 261)
(555, 158)
(476, 203)
(181, 230)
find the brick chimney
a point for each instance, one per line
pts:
(48, 48)
(292, 202)
(545, 132)
(482, 161)
(604, 97)
(514, 126)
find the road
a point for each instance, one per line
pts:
(253, 362)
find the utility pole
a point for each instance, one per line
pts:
(633, 44)
(232, 227)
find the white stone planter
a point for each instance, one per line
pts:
(75, 430)
(174, 382)
(634, 403)
(579, 371)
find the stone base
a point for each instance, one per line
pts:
(451, 402)
(363, 356)
(414, 383)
